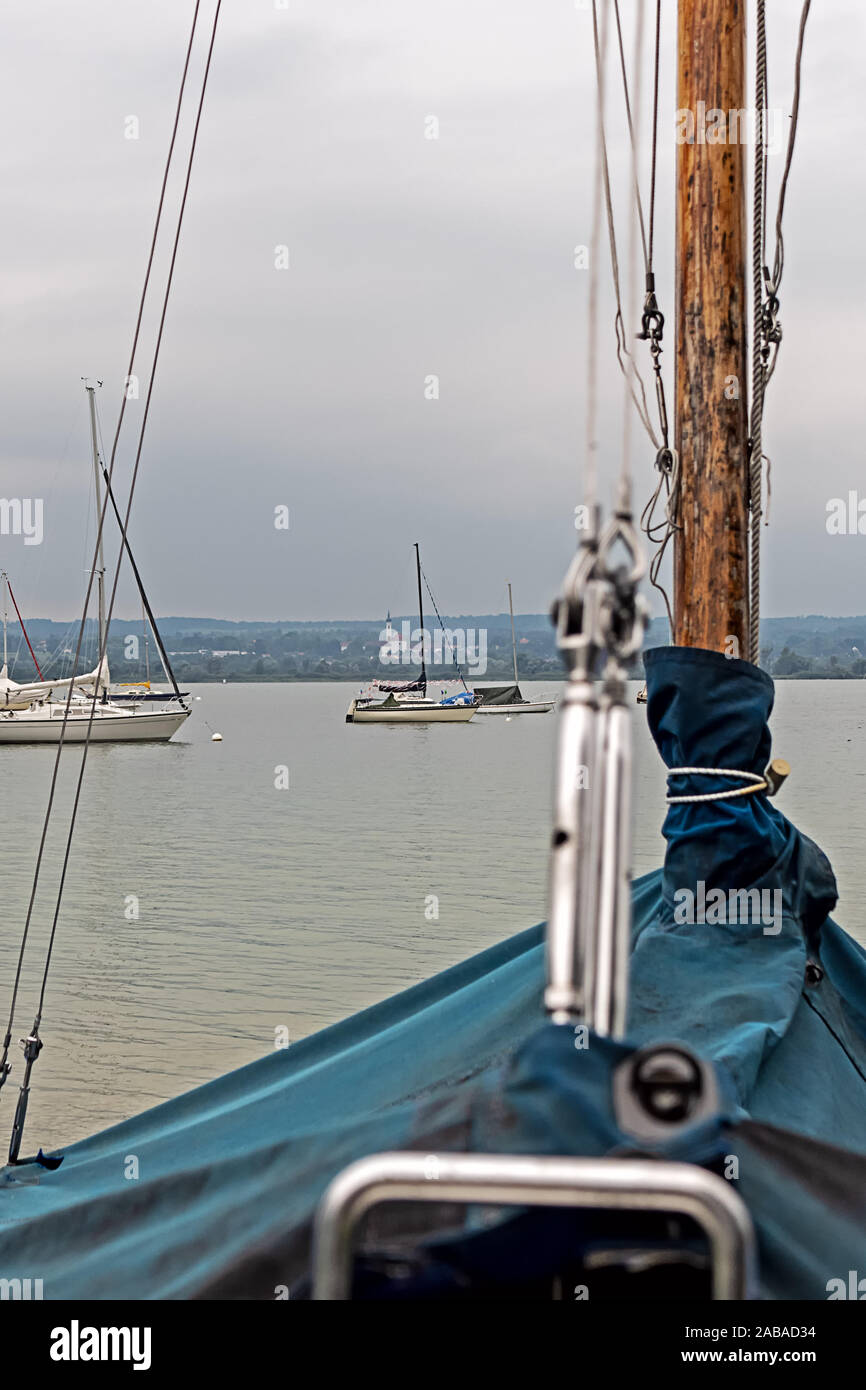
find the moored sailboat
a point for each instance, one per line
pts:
(729, 1164)
(88, 710)
(43, 722)
(406, 702)
(509, 699)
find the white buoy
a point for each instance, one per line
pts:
(198, 697)
(216, 738)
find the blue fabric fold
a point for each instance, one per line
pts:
(228, 1176)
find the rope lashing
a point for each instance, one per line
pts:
(769, 782)
(758, 783)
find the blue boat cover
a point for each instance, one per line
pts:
(211, 1194)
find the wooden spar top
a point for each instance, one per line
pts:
(710, 553)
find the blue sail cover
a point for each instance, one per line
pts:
(211, 1194)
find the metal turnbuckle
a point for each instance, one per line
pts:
(600, 621)
(31, 1046)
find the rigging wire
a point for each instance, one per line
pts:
(636, 225)
(759, 346)
(774, 281)
(33, 1044)
(625, 89)
(666, 492)
(638, 395)
(766, 329)
(58, 654)
(133, 481)
(41, 564)
(590, 481)
(659, 534)
(23, 628)
(146, 611)
(652, 197)
(444, 631)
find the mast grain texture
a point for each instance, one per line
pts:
(711, 550)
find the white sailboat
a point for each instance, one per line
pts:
(509, 699)
(406, 702)
(43, 711)
(396, 710)
(43, 721)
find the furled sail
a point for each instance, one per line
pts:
(5, 682)
(400, 687)
(14, 696)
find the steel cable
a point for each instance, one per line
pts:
(4, 1068)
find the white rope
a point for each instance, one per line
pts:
(759, 783)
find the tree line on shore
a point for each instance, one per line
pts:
(806, 648)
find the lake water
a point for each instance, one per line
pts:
(262, 908)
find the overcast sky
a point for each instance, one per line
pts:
(409, 257)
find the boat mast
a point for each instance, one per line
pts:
(100, 562)
(513, 642)
(711, 549)
(421, 615)
(5, 583)
(146, 653)
(160, 645)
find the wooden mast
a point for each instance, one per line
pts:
(711, 550)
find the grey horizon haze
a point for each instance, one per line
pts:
(408, 257)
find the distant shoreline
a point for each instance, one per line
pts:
(806, 648)
(554, 678)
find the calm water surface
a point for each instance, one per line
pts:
(261, 908)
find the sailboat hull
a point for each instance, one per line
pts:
(409, 714)
(124, 728)
(520, 707)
